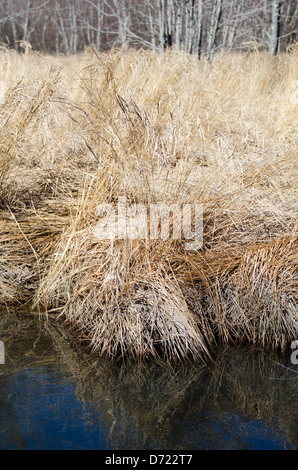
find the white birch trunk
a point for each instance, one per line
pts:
(215, 17)
(178, 25)
(161, 23)
(275, 28)
(169, 26)
(199, 27)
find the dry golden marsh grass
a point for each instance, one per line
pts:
(81, 131)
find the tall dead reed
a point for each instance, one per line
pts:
(155, 129)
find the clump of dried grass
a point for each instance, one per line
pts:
(156, 129)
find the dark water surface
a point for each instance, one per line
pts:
(54, 396)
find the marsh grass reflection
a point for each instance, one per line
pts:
(243, 395)
(167, 406)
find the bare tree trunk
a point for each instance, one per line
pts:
(230, 21)
(227, 20)
(73, 37)
(43, 31)
(274, 41)
(123, 17)
(62, 31)
(25, 21)
(94, 21)
(189, 25)
(99, 23)
(199, 27)
(169, 26)
(233, 32)
(151, 27)
(265, 21)
(215, 17)
(178, 29)
(161, 22)
(14, 29)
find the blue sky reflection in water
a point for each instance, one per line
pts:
(40, 410)
(54, 397)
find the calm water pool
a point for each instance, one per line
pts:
(54, 396)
